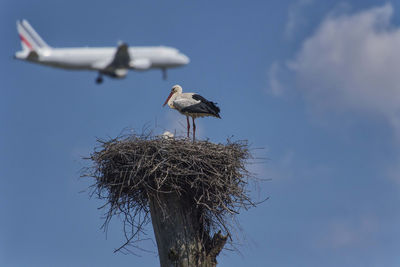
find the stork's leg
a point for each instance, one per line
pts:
(194, 130)
(188, 126)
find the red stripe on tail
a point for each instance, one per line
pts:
(25, 42)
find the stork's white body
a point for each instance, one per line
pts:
(183, 101)
(112, 61)
(191, 105)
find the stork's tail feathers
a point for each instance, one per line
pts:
(213, 106)
(206, 106)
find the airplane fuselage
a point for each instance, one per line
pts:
(112, 61)
(87, 58)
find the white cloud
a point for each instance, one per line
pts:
(352, 63)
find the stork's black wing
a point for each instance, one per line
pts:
(204, 106)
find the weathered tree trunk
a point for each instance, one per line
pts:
(180, 238)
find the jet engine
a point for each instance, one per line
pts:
(117, 73)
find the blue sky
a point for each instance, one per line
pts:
(316, 83)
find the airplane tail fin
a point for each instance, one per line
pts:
(30, 39)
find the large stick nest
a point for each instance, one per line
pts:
(130, 170)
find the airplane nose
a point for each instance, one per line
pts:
(184, 59)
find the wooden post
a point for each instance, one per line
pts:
(178, 231)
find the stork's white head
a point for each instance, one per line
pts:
(176, 90)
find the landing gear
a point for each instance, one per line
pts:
(164, 73)
(99, 79)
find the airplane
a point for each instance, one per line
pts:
(111, 61)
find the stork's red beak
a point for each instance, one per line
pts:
(166, 101)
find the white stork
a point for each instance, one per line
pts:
(191, 104)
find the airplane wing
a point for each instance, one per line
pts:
(121, 57)
(121, 60)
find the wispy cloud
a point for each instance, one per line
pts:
(176, 124)
(393, 171)
(349, 232)
(296, 17)
(290, 166)
(275, 87)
